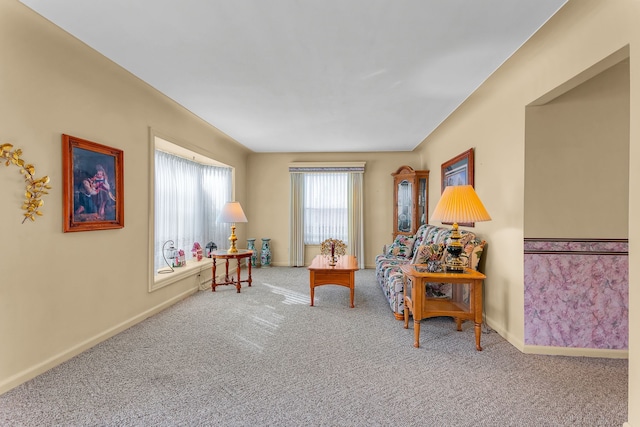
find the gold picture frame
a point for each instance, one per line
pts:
(93, 185)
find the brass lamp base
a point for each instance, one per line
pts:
(232, 239)
(455, 264)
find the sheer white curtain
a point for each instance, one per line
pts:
(188, 198)
(326, 202)
(325, 207)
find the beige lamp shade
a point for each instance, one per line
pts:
(231, 213)
(460, 204)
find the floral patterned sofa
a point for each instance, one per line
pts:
(429, 243)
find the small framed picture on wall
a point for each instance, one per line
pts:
(458, 171)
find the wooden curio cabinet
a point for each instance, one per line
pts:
(410, 200)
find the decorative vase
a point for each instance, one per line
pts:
(265, 253)
(251, 245)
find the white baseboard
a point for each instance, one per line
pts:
(576, 352)
(34, 371)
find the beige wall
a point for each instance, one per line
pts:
(493, 121)
(62, 292)
(268, 190)
(573, 187)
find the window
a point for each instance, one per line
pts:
(188, 197)
(326, 202)
(325, 207)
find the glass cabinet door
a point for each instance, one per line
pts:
(411, 201)
(404, 206)
(422, 201)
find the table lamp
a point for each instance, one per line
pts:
(232, 213)
(458, 204)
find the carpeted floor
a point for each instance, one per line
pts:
(264, 357)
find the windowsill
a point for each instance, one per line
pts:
(193, 268)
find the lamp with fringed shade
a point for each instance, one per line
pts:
(231, 213)
(458, 204)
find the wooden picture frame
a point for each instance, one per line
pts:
(93, 185)
(458, 171)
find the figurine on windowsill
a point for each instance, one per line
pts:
(179, 260)
(196, 251)
(210, 248)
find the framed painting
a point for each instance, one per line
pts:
(93, 185)
(458, 171)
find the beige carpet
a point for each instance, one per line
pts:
(265, 358)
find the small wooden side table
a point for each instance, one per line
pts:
(415, 298)
(342, 274)
(229, 280)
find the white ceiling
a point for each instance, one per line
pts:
(309, 75)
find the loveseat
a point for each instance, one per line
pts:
(429, 242)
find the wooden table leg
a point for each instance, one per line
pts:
(406, 303)
(416, 333)
(249, 270)
(311, 280)
(351, 287)
(477, 302)
(238, 284)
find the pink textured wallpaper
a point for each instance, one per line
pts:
(576, 293)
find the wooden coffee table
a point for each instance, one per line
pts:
(342, 274)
